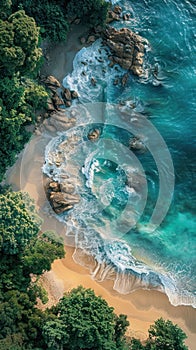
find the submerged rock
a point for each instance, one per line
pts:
(137, 145)
(94, 134)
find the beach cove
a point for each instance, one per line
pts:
(66, 274)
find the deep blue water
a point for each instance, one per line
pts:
(165, 257)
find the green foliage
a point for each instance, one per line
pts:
(19, 223)
(50, 16)
(91, 12)
(20, 98)
(5, 7)
(24, 250)
(164, 335)
(39, 256)
(84, 321)
(18, 44)
(136, 345)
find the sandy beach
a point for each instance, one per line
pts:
(142, 307)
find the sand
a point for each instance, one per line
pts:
(142, 307)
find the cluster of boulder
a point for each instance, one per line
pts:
(61, 196)
(116, 15)
(60, 97)
(127, 49)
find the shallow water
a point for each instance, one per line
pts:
(111, 222)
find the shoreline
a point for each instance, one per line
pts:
(142, 307)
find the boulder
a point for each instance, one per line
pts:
(124, 79)
(68, 103)
(74, 94)
(67, 187)
(117, 9)
(94, 134)
(112, 16)
(57, 101)
(52, 81)
(61, 202)
(91, 39)
(137, 145)
(67, 94)
(93, 81)
(126, 16)
(50, 106)
(61, 196)
(127, 48)
(82, 40)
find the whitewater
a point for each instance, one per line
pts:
(119, 188)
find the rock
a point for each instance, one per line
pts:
(50, 106)
(54, 186)
(67, 94)
(52, 81)
(57, 101)
(126, 16)
(137, 145)
(91, 39)
(112, 16)
(117, 9)
(62, 201)
(125, 79)
(93, 81)
(94, 134)
(74, 94)
(83, 40)
(98, 29)
(116, 81)
(127, 48)
(61, 197)
(67, 187)
(68, 103)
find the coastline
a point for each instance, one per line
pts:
(142, 307)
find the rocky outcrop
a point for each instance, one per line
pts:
(59, 96)
(69, 95)
(61, 197)
(127, 48)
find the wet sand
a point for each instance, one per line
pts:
(142, 307)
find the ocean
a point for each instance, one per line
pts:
(136, 211)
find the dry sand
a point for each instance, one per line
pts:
(142, 307)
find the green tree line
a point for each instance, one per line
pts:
(80, 320)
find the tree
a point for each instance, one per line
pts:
(24, 251)
(121, 325)
(85, 322)
(18, 44)
(50, 16)
(5, 8)
(136, 344)
(164, 335)
(19, 222)
(40, 254)
(91, 12)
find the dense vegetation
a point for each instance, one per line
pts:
(80, 320)
(20, 59)
(53, 17)
(20, 94)
(24, 252)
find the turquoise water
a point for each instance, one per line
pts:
(164, 258)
